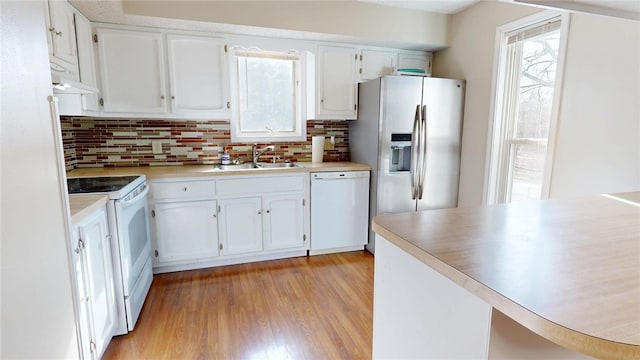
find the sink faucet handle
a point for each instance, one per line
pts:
(275, 157)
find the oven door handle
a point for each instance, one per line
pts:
(140, 196)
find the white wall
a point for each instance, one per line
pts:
(425, 30)
(472, 34)
(37, 317)
(597, 148)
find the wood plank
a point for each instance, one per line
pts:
(316, 307)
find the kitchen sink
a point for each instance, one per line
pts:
(237, 166)
(278, 165)
(258, 166)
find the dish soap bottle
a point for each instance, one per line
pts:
(225, 159)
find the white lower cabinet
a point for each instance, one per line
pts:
(240, 225)
(186, 231)
(283, 221)
(94, 273)
(231, 219)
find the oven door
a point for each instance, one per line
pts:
(133, 237)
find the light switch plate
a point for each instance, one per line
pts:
(156, 146)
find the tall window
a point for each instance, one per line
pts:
(523, 112)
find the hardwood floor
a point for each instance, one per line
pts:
(318, 307)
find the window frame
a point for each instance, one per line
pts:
(495, 168)
(300, 95)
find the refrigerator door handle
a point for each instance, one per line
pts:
(415, 163)
(423, 151)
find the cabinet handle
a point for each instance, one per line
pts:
(53, 30)
(259, 212)
(228, 104)
(214, 216)
(184, 188)
(322, 100)
(173, 97)
(162, 97)
(268, 211)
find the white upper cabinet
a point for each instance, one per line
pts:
(415, 61)
(62, 32)
(86, 61)
(132, 69)
(337, 82)
(197, 75)
(377, 63)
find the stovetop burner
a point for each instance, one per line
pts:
(98, 184)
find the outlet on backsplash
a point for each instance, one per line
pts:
(328, 145)
(156, 146)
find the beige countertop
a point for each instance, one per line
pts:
(158, 172)
(82, 205)
(568, 270)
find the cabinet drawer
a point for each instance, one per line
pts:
(184, 190)
(260, 185)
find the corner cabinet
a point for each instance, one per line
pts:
(228, 219)
(132, 71)
(94, 275)
(337, 76)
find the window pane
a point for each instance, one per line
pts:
(537, 77)
(527, 171)
(267, 94)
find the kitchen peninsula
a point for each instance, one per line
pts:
(546, 279)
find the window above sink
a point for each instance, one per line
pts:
(269, 94)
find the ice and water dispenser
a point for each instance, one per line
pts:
(400, 159)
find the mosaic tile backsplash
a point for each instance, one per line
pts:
(92, 142)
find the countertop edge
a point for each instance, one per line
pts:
(184, 171)
(561, 335)
(82, 205)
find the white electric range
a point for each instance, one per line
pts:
(127, 211)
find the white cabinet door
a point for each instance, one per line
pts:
(337, 82)
(198, 75)
(415, 61)
(79, 268)
(94, 242)
(62, 32)
(86, 61)
(377, 63)
(186, 231)
(132, 71)
(283, 221)
(240, 222)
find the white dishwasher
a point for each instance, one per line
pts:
(339, 211)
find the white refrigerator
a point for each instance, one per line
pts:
(409, 130)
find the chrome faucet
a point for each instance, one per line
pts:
(257, 152)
